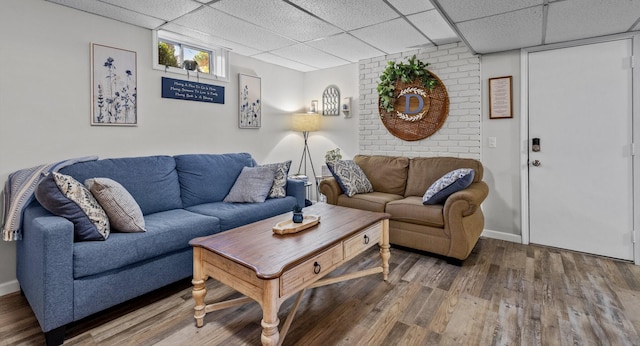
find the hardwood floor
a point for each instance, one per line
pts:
(503, 294)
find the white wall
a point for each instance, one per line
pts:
(502, 163)
(45, 101)
(336, 131)
(45, 107)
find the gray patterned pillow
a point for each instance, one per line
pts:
(64, 196)
(350, 177)
(122, 209)
(281, 170)
(252, 185)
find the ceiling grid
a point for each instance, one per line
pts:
(308, 35)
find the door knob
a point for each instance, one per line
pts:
(536, 163)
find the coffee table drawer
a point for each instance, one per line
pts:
(363, 240)
(310, 270)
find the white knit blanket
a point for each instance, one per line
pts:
(19, 192)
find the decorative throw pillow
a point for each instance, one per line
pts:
(350, 177)
(122, 209)
(281, 170)
(252, 185)
(64, 196)
(449, 183)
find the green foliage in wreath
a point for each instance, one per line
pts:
(414, 69)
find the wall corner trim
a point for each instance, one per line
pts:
(514, 238)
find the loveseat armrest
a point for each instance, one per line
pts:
(473, 195)
(45, 266)
(296, 189)
(463, 219)
(330, 188)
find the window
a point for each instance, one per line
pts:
(179, 54)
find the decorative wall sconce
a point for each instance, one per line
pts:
(346, 107)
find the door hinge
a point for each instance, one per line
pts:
(633, 61)
(633, 236)
(633, 149)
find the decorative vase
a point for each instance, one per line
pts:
(297, 217)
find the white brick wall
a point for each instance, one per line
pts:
(459, 70)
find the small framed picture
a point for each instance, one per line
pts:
(500, 98)
(250, 102)
(114, 91)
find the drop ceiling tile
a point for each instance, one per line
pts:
(508, 31)
(309, 56)
(220, 24)
(571, 19)
(392, 37)
(163, 9)
(434, 26)
(113, 12)
(210, 39)
(349, 15)
(273, 59)
(461, 10)
(411, 6)
(346, 47)
(278, 16)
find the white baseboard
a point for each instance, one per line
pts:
(514, 238)
(9, 287)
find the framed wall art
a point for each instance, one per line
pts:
(250, 102)
(500, 98)
(114, 90)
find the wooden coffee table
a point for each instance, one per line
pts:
(269, 268)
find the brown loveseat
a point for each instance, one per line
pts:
(451, 229)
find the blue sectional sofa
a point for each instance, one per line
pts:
(181, 197)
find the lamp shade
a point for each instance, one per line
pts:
(306, 122)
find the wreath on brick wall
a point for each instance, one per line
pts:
(412, 80)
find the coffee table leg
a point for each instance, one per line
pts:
(270, 306)
(385, 254)
(199, 291)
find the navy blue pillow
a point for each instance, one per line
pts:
(449, 183)
(64, 196)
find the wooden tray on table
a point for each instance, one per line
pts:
(288, 226)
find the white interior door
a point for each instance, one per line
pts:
(580, 107)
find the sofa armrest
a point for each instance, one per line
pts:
(296, 189)
(473, 195)
(330, 188)
(45, 266)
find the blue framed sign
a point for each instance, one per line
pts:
(192, 91)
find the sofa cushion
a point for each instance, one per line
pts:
(64, 196)
(167, 232)
(412, 210)
(424, 171)
(232, 215)
(386, 173)
(252, 186)
(122, 209)
(279, 187)
(151, 180)
(350, 177)
(374, 201)
(207, 178)
(449, 183)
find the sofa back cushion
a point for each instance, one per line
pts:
(387, 174)
(424, 171)
(151, 180)
(208, 178)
